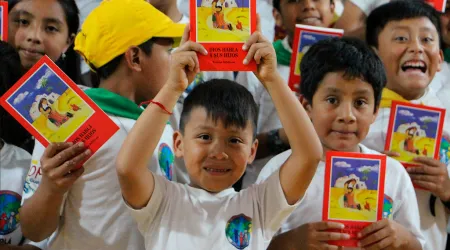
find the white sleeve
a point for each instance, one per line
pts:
(406, 211)
(273, 206)
(368, 6)
(151, 213)
(273, 166)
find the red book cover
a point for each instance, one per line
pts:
(222, 27)
(438, 4)
(414, 130)
(3, 21)
(54, 109)
(353, 192)
(304, 37)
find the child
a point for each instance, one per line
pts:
(406, 35)
(341, 86)
(132, 70)
(216, 140)
(14, 161)
(271, 142)
(38, 28)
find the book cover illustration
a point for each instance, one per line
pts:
(3, 20)
(222, 27)
(353, 192)
(414, 130)
(304, 37)
(53, 109)
(439, 5)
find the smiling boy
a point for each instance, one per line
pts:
(341, 86)
(406, 36)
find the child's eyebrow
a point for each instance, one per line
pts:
(333, 90)
(23, 12)
(362, 92)
(53, 20)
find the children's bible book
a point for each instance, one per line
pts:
(54, 109)
(353, 192)
(3, 20)
(438, 4)
(414, 130)
(305, 36)
(222, 27)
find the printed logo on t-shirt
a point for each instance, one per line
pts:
(387, 207)
(166, 159)
(33, 178)
(238, 231)
(444, 154)
(9, 217)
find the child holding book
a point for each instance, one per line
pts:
(407, 37)
(342, 80)
(271, 142)
(132, 70)
(217, 141)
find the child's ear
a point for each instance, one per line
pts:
(178, 144)
(332, 6)
(132, 57)
(441, 59)
(253, 150)
(69, 42)
(375, 114)
(278, 18)
(306, 105)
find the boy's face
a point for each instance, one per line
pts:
(307, 12)
(342, 111)
(154, 73)
(216, 157)
(411, 55)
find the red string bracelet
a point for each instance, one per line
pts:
(160, 105)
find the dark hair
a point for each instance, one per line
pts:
(40, 104)
(349, 55)
(396, 11)
(108, 69)
(10, 72)
(276, 4)
(222, 99)
(71, 63)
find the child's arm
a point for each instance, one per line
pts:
(298, 171)
(136, 181)
(388, 234)
(309, 236)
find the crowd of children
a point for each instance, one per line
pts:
(222, 160)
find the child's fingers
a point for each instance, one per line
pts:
(258, 23)
(424, 170)
(391, 153)
(70, 178)
(191, 46)
(428, 161)
(431, 186)
(186, 34)
(261, 53)
(373, 228)
(254, 38)
(69, 165)
(55, 148)
(383, 244)
(374, 237)
(325, 225)
(63, 156)
(326, 236)
(422, 177)
(325, 246)
(252, 52)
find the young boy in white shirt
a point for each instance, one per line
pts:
(341, 86)
(407, 37)
(308, 12)
(217, 141)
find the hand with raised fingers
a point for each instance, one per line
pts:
(314, 236)
(384, 234)
(431, 175)
(59, 166)
(184, 64)
(261, 50)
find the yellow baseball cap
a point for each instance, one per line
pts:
(116, 25)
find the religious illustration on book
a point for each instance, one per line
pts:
(49, 105)
(223, 20)
(414, 131)
(354, 189)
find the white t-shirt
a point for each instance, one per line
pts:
(14, 164)
(434, 228)
(267, 117)
(182, 217)
(368, 6)
(400, 198)
(93, 215)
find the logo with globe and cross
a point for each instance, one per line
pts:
(238, 231)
